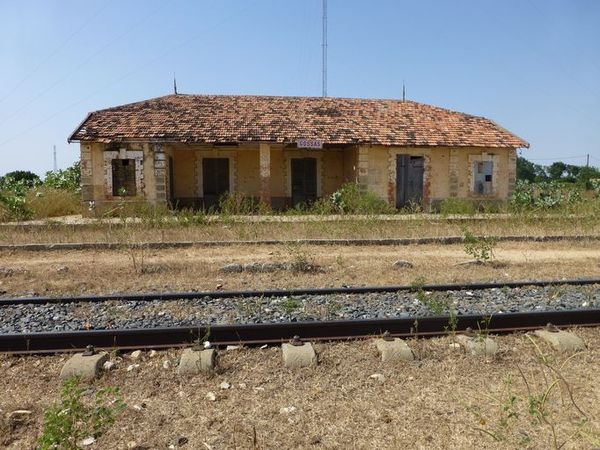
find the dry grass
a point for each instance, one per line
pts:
(365, 228)
(49, 202)
(94, 271)
(445, 399)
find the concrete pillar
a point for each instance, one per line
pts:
(453, 172)
(160, 173)
(363, 168)
(265, 173)
(84, 366)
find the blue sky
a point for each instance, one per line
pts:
(531, 65)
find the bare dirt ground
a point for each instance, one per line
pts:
(444, 399)
(107, 271)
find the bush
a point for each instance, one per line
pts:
(348, 199)
(456, 206)
(237, 203)
(45, 201)
(545, 195)
(72, 419)
(68, 179)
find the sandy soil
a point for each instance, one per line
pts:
(444, 399)
(93, 271)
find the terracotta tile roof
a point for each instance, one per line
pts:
(229, 119)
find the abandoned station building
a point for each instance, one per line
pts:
(188, 150)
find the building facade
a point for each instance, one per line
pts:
(187, 151)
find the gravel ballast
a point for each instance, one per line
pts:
(113, 314)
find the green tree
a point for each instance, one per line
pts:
(24, 177)
(556, 170)
(526, 170)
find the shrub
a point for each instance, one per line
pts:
(237, 203)
(456, 206)
(545, 195)
(69, 178)
(349, 199)
(45, 201)
(479, 247)
(73, 419)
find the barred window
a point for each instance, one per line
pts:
(482, 177)
(123, 177)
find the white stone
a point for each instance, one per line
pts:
(132, 367)
(88, 441)
(152, 353)
(210, 396)
(287, 410)
(225, 385)
(108, 365)
(562, 341)
(232, 347)
(479, 346)
(166, 364)
(394, 350)
(243, 385)
(137, 407)
(136, 355)
(378, 376)
(295, 356)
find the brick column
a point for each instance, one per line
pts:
(363, 168)
(87, 184)
(512, 170)
(265, 173)
(453, 173)
(160, 174)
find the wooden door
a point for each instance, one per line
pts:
(304, 181)
(409, 180)
(215, 180)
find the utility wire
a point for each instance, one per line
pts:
(91, 57)
(167, 52)
(54, 52)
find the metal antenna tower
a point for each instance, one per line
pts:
(54, 157)
(324, 45)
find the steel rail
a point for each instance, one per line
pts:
(295, 292)
(274, 333)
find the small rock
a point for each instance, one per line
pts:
(401, 263)
(88, 441)
(171, 447)
(263, 346)
(108, 365)
(225, 385)
(62, 269)
(182, 440)
(287, 410)
(136, 355)
(219, 286)
(232, 347)
(166, 364)
(137, 407)
(378, 376)
(243, 385)
(152, 353)
(454, 345)
(210, 396)
(411, 378)
(132, 367)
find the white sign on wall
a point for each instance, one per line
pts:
(309, 143)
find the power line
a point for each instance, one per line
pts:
(55, 51)
(167, 52)
(324, 48)
(80, 65)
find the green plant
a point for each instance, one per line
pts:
(453, 205)
(300, 261)
(76, 417)
(349, 199)
(68, 179)
(237, 203)
(479, 247)
(290, 304)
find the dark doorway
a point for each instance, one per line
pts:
(304, 180)
(409, 180)
(215, 180)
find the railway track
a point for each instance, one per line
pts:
(272, 333)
